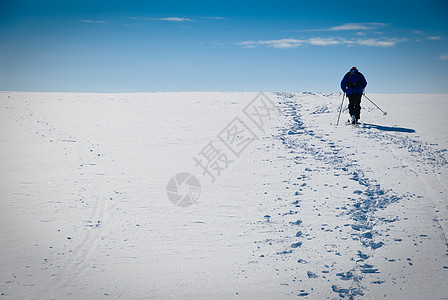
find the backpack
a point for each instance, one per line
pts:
(353, 79)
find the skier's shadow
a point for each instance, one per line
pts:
(387, 128)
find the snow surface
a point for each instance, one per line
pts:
(308, 210)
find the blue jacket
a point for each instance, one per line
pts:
(353, 83)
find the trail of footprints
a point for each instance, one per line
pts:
(302, 141)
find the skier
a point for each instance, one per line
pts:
(353, 84)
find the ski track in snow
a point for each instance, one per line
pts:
(299, 139)
(69, 262)
(304, 142)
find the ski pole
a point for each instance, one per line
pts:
(343, 96)
(385, 113)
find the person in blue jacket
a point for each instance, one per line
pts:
(353, 85)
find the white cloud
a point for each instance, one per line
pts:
(425, 36)
(282, 43)
(378, 43)
(214, 18)
(324, 41)
(93, 21)
(318, 41)
(356, 26)
(169, 19)
(444, 56)
(248, 44)
(174, 19)
(346, 27)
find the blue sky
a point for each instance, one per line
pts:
(145, 46)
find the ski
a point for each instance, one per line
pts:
(349, 122)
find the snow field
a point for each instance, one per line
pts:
(309, 209)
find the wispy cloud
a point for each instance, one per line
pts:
(214, 18)
(378, 42)
(93, 21)
(174, 19)
(346, 27)
(444, 56)
(318, 41)
(357, 26)
(426, 36)
(169, 19)
(282, 43)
